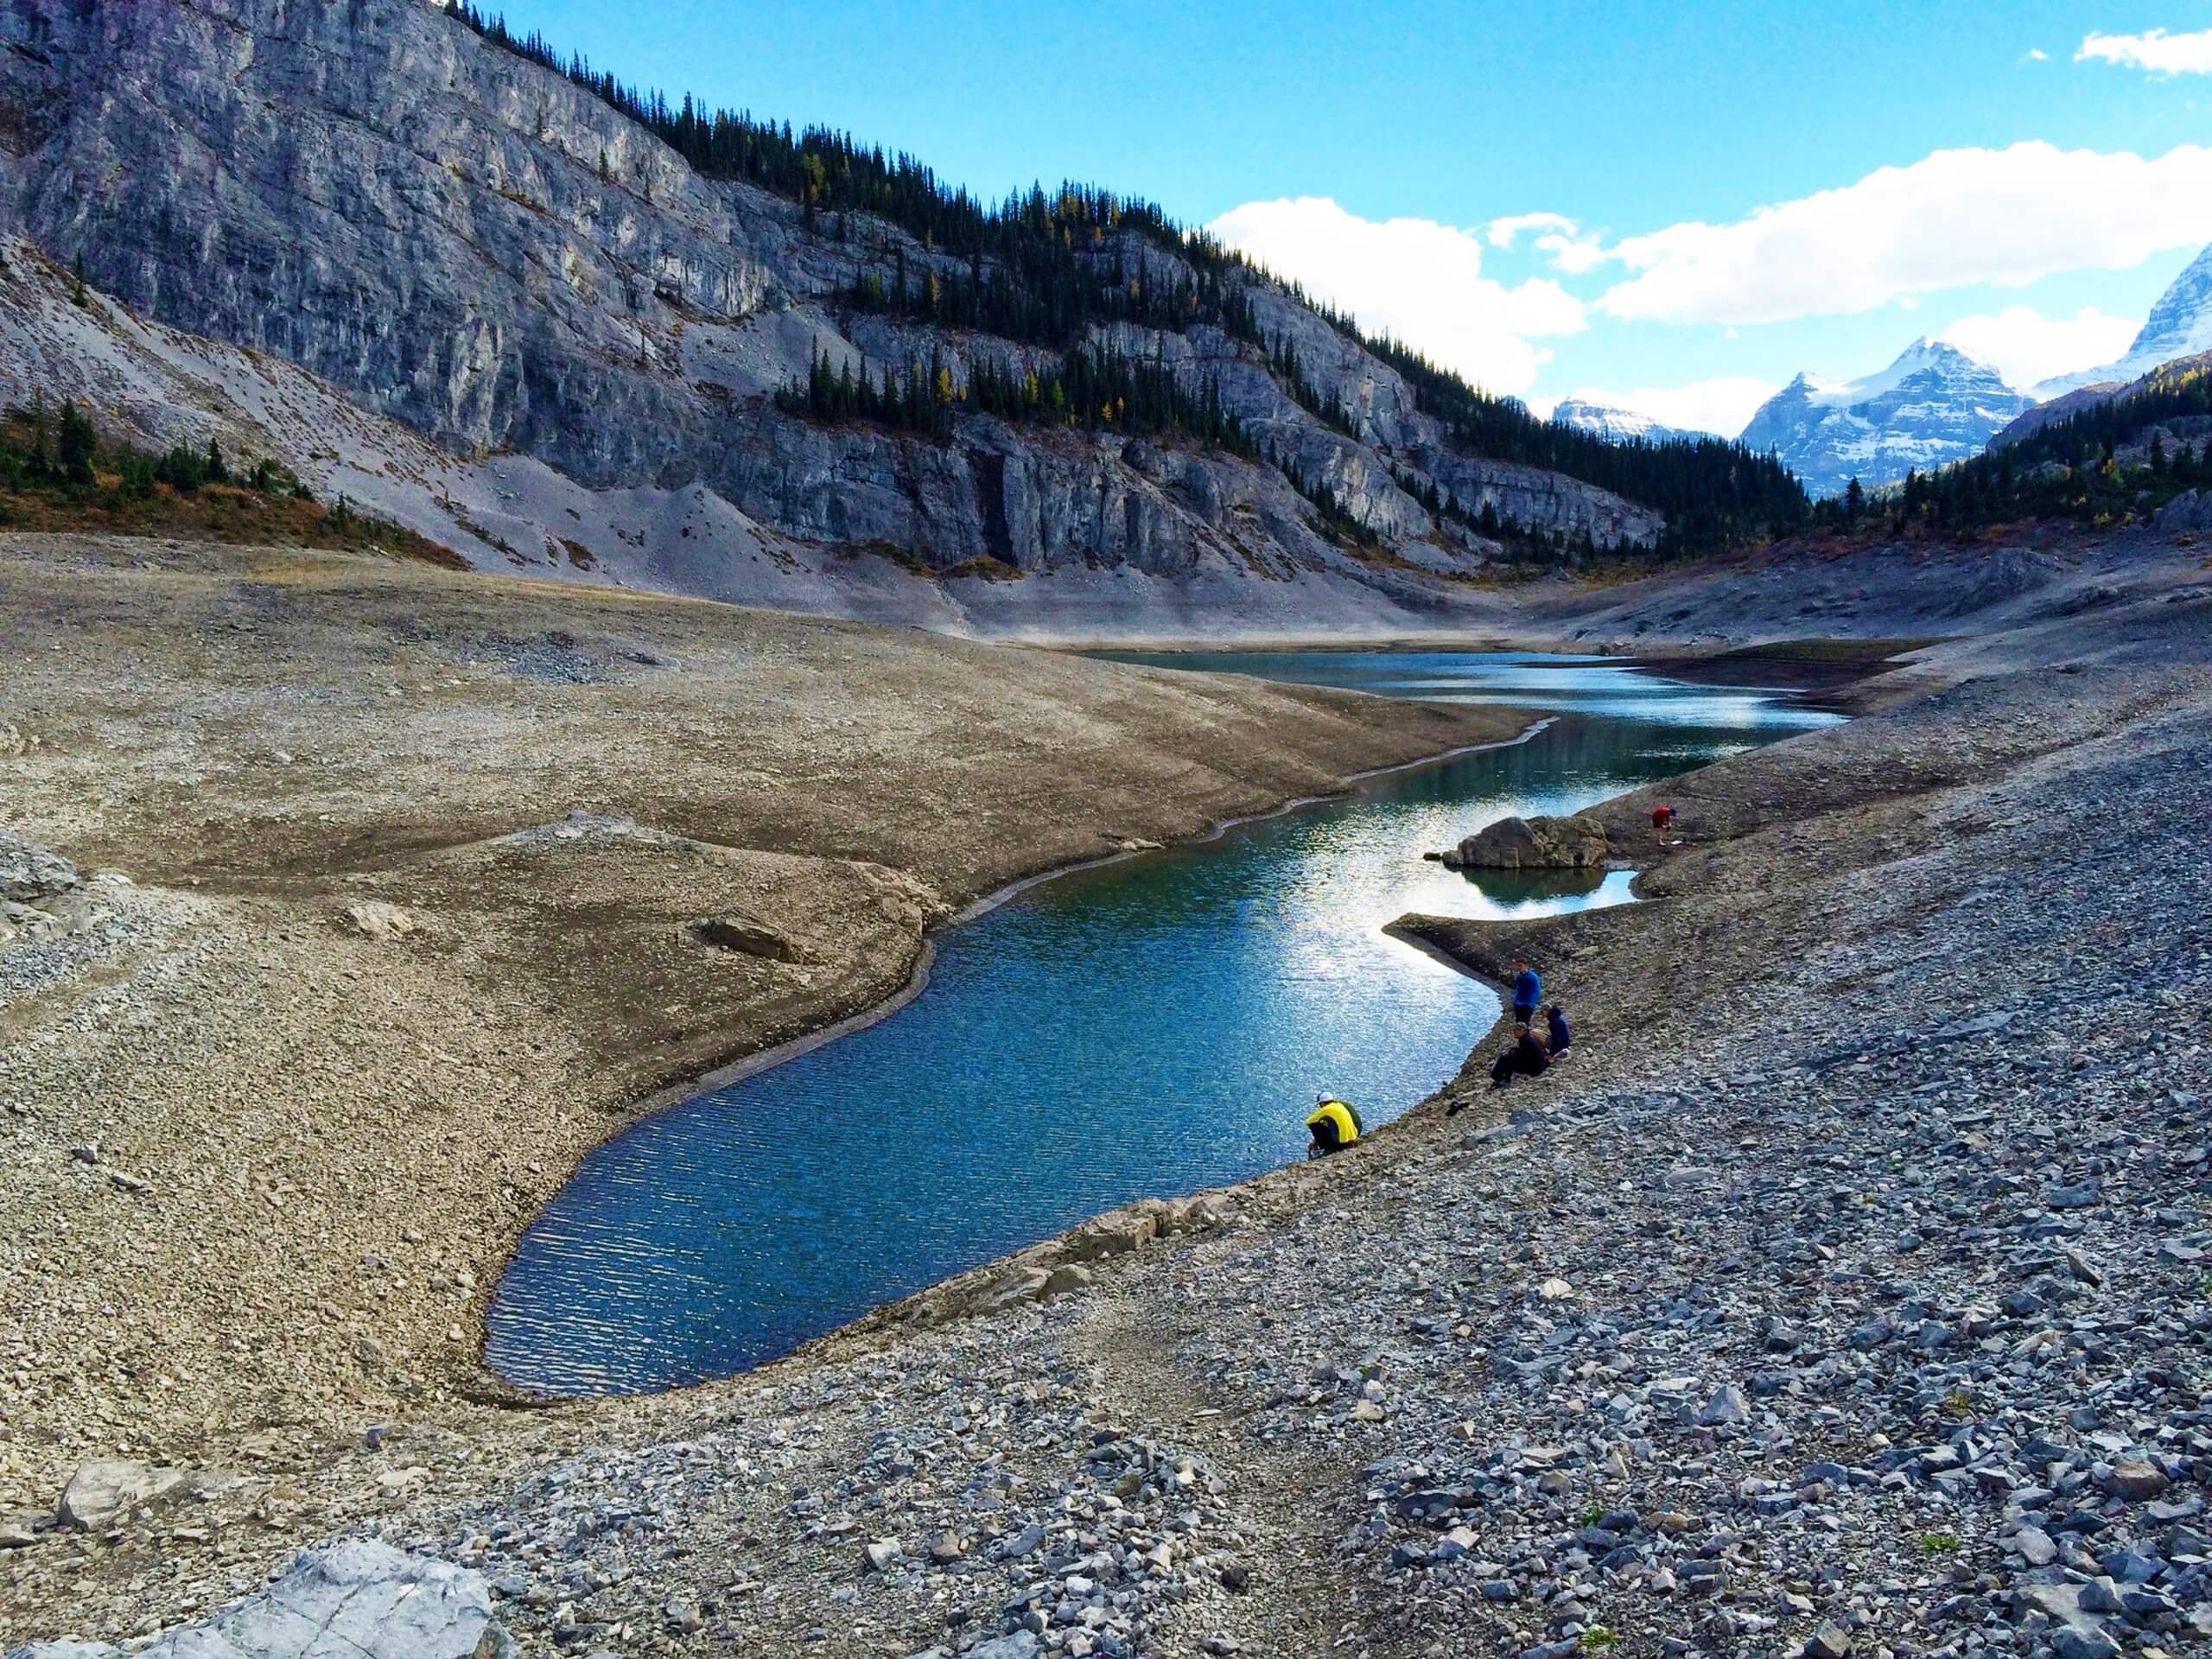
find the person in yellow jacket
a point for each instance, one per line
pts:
(1333, 1126)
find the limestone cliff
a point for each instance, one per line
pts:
(476, 248)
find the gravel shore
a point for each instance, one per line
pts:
(1844, 1293)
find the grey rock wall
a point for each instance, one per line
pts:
(468, 243)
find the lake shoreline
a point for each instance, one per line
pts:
(495, 1385)
(1229, 1350)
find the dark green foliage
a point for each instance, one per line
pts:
(1039, 267)
(1096, 390)
(1714, 493)
(1282, 360)
(64, 456)
(1338, 520)
(75, 446)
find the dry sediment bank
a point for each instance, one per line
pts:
(1279, 1396)
(374, 988)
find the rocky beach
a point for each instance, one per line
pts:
(1841, 1293)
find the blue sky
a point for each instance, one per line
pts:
(1660, 132)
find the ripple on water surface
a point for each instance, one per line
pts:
(1144, 1029)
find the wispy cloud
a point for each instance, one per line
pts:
(2035, 54)
(2025, 346)
(2155, 52)
(1502, 232)
(1414, 279)
(1569, 247)
(1956, 218)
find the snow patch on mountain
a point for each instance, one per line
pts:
(1614, 424)
(2180, 324)
(1933, 405)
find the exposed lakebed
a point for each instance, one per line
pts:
(1144, 1028)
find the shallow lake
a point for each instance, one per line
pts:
(1141, 1029)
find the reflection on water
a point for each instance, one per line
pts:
(1145, 1028)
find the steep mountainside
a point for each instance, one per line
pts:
(2100, 394)
(1616, 425)
(599, 344)
(1934, 404)
(2180, 324)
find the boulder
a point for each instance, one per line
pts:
(1116, 1233)
(376, 919)
(1065, 1280)
(28, 874)
(748, 937)
(1543, 843)
(105, 1491)
(2190, 510)
(363, 1600)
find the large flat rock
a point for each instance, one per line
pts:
(359, 1600)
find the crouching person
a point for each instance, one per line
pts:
(1334, 1126)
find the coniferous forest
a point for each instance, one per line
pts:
(2069, 470)
(1046, 268)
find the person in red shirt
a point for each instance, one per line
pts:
(1663, 820)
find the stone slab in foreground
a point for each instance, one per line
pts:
(360, 1600)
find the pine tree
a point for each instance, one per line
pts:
(75, 446)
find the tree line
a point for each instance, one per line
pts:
(63, 453)
(2067, 469)
(1045, 267)
(1093, 388)
(59, 472)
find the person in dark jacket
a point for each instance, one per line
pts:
(1527, 991)
(1556, 1035)
(1525, 1058)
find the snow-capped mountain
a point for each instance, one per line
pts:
(2180, 324)
(1614, 425)
(1934, 404)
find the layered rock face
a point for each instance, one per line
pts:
(469, 243)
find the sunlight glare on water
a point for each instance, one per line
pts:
(1143, 1029)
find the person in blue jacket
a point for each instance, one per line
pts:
(1527, 991)
(1558, 1037)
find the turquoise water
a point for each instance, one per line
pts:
(1141, 1029)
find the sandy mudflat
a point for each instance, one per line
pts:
(340, 1135)
(1854, 1258)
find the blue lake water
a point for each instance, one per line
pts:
(1142, 1029)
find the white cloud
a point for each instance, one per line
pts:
(1412, 278)
(1570, 248)
(2035, 54)
(2157, 52)
(1503, 231)
(1724, 404)
(2025, 346)
(1956, 218)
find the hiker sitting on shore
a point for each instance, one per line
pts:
(1557, 1036)
(1528, 1058)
